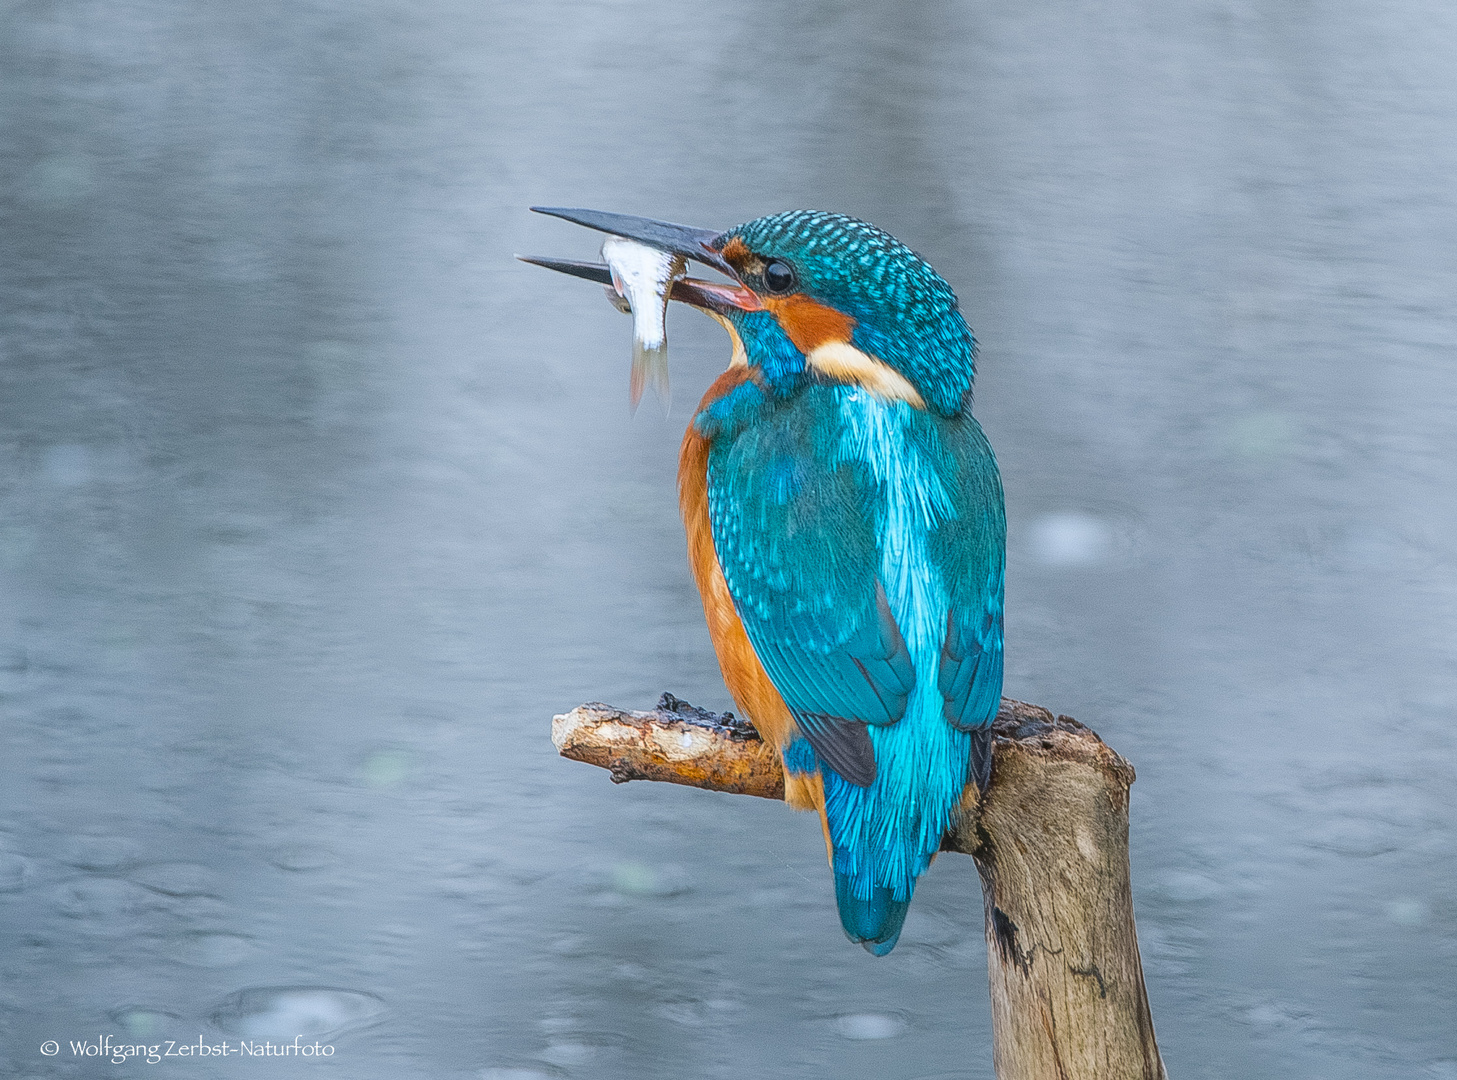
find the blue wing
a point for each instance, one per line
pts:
(795, 529)
(834, 694)
(971, 551)
(795, 537)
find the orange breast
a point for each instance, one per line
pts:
(743, 674)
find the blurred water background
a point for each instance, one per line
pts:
(315, 507)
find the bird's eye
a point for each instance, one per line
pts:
(779, 277)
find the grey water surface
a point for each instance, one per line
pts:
(315, 506)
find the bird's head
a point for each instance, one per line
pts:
(817, 296)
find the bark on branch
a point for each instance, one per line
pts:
(1050, 841)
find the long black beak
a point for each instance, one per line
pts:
(696, 244)
(598, 272)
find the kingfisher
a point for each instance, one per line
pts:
(846, 532)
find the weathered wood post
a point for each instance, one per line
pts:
(1050, 841)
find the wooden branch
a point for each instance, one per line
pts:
(1050, 841)
(676, 743)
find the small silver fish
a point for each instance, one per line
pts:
(642, 278)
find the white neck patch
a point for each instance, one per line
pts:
(842, 361)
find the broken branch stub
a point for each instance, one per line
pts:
(1050, 840)
(676, 743)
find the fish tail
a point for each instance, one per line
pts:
(649, 364)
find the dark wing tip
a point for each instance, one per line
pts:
(843, 745)
(981, 758)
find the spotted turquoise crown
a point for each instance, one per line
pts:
(906, 314)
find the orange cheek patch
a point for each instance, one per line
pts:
(809, 323)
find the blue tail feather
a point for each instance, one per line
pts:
(874, 923)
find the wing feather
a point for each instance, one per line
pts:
(795, 530)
